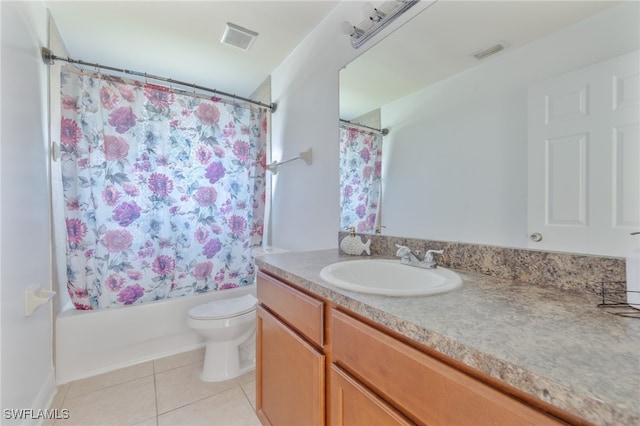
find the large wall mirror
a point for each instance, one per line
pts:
(454, 85)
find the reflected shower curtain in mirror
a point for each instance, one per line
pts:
(360, 178)
(164, 190)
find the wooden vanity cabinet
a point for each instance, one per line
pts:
(320, 364)
(290, 363)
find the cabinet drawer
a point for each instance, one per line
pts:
(423, 388)
(301, 312)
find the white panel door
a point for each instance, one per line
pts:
(584, 159)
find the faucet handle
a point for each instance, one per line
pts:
(402, 251)
(428, 257)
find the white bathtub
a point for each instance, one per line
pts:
(94, 342)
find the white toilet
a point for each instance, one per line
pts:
(225, 324)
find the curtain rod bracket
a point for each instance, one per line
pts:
(47, 56)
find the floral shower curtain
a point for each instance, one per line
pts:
(360, 178)
(164, 190)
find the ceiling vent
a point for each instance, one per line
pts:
(488, 52)
(239, 37)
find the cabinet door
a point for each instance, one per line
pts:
(352, 404)
(290, 375)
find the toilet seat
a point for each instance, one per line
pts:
(224, 308)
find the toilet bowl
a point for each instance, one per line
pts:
(225, 324)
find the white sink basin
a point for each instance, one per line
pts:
(389, 277)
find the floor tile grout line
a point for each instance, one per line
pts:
(69, 384)
(244, 392)
(237, 383)
(155, 393)
(202, 399)
(105, 387)
(238, 386)
(176, 367)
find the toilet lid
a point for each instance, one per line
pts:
(224, 307)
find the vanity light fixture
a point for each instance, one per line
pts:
(378, 18)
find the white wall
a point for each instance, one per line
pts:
(25, 254)
(306, 210)
(455, 164)
(59, 235)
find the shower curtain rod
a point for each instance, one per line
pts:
(49, 58)
(384, 132)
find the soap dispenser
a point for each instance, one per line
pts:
(633, 277)
(353, 245)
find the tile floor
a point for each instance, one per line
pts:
(163, 392)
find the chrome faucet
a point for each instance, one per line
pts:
(408, 257)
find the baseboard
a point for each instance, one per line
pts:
(42, 402)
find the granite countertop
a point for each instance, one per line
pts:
(551, 343)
